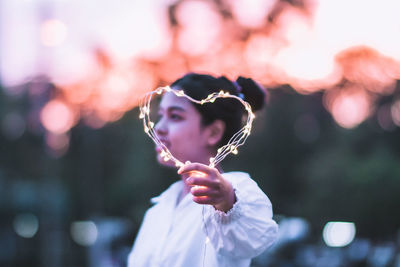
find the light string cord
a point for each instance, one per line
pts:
(207, 238)
(234, 142)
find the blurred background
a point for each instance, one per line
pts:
(77, 170)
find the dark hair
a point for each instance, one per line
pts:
(229, 110)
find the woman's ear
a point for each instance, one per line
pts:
(215, 133)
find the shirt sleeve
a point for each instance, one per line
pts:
(247, 229)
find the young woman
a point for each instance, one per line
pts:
(215, 218)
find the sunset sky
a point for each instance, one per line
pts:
(102, 55)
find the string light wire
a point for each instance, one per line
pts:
(234, 142)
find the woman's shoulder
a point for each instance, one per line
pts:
(245, 187)
(170, 193)
(240, 179)
(237, 177)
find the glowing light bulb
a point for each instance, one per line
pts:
(233, 149)
(178, 164)
(144, 111)
(212, 163)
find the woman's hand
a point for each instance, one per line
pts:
(208, 186)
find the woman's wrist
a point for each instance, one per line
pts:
(226, 205)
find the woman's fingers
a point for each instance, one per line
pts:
(209, 187)
(196, 167)
(203, 191)
(202, 200)
(203, 182)
(206, 200)
(205, 195)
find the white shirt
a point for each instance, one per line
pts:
(194, 235)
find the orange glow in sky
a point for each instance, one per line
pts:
(311, 47)
(251, 13)
(53, 32)
(102, 66)
(201, 26)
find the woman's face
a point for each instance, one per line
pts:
(179, 129)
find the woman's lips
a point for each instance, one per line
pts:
(159, 148)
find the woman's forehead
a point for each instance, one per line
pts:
(170, 99)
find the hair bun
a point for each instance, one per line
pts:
(253, 92)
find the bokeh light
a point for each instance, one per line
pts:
(384, 117)
(349, 106)
(58, 143)
(339, 234)
(53, 32)
(26, 225)
(395, 110)
(84, 233)
(251, 13)
(57, 117)
(198, 34)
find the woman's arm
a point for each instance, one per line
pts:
(244, 230)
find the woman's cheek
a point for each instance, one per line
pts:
(176, 134)
(179, 138)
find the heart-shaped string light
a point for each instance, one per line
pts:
(236, 140)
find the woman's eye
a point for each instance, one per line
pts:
(175, 117)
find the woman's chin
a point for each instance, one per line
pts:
(162, 162)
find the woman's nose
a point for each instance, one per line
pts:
(160, 127)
